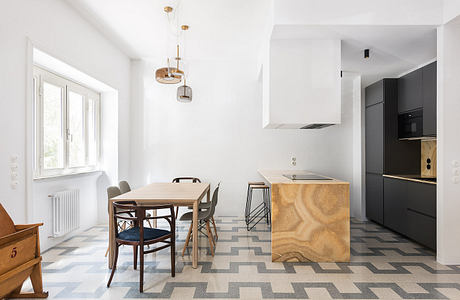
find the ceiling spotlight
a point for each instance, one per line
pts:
(366, 53)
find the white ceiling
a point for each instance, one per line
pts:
(218, 28)
(393, 49)
(233, 29)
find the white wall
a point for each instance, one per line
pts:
(448, 141)
(219, 136)
(55, 28)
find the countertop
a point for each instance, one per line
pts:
(276, 177)
(415, 178)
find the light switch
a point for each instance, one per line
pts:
(456, 179)
(455, 164)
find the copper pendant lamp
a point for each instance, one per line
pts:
(171, 75)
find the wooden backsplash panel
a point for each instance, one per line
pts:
(428, 153)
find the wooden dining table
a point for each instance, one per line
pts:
(178, 194)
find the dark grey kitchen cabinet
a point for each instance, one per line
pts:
(429, 92)
(421, 229)
(374, 197)
(410, 209)
(374, 138)
(421, 198)
(385, 153)
(410, 91)
(374, 93)
(395, 204)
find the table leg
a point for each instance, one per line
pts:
(155, 223)
(111, 236)
(195, 235)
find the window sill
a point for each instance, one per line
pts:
(66, 176)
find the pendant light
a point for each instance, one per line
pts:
(171, 75)
(184, 93)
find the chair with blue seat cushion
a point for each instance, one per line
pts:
(133, 234)
(139, 236)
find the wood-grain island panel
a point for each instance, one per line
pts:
(310, 219)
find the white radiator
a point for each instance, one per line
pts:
(66, 212)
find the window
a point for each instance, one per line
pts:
(67, 122)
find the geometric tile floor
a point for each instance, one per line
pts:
(383, 265)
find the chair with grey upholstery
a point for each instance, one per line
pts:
(124, 186)
(204, 218)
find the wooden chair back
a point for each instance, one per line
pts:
(181, 179)
(19, 258)
(6, 224)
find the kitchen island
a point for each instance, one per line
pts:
(310, 218)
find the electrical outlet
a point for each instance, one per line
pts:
(293, 161)
(455, 171)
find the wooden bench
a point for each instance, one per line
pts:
(19, 258)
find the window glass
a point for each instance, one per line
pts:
(92, 136)
(53, 142)
(76, 130)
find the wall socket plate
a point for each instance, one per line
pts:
(293, 161)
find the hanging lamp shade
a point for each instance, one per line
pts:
(184, 93)
(168, 75)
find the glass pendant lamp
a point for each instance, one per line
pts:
(184, 93)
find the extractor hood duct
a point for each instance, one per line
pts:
(302, 84)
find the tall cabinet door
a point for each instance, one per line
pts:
(429, 99)
(374, 138)
(395, 208)
(374, 197)
(410, 91)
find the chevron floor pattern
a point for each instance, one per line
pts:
(384, 265)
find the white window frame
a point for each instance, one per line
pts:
(40, 76)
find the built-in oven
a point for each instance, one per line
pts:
(410, 124)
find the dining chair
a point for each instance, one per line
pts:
(182, 179)
(204, 218)
(139, 236)
(125, 188)
(112, 192)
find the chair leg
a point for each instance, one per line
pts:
(114, 267)
(173, 257)
(215, 227)
(135, 256)
(150, 223)
(210, 238)
(177, 211)
(187, 239)
(141, 275)
(107, 252)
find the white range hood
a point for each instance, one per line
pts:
(301, 83)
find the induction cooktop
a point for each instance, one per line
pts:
(305, 177)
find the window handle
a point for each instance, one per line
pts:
(69, 135)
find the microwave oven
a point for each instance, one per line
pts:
(410, 124)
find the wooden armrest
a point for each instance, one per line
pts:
(25, 226)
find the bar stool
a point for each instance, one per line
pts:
(254, 216)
